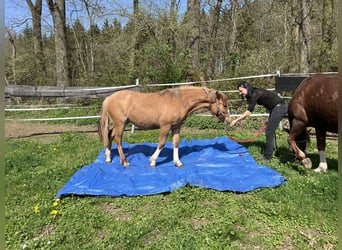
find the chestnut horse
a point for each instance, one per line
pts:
(164, 110)
(313, 104)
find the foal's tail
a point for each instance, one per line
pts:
(103, 125)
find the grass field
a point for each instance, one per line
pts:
(299, 215)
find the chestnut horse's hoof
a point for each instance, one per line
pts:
(307, 163)
(322, 168)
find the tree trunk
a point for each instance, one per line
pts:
(92, 38)
(304, 35)
(57, 9)
(36, 12)
(173, 23)
(328, 35)
(213, 36)
(14, 54)
(232, 36)
(133, 41)
(193, 19)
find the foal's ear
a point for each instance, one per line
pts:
(221, 96)
(213, 95)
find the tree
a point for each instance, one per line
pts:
(231, 44)
(57, 9)
(157, 43)
(328, 34)
(10, 35)
(304, 35)
(193, 21)
(78, 47)
(213, 36)
(36, 12)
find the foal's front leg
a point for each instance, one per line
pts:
(118, 132)
(175, 142)
(162, 140)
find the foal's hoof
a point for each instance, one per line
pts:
(153, 163)
(307, 163)
(179, 165)
(107, 158)
(125, 164)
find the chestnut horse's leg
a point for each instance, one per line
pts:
(298, 128)
(175, 142)
(118, 132)
(162, 140)
(321, 137)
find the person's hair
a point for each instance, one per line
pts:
(243, 85)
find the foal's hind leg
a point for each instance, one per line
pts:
(109, 146)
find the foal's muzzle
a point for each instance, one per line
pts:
(225, 118)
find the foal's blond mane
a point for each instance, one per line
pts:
(176, 92)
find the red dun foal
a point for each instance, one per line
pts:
(165, 110)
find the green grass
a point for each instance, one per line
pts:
(299, 215)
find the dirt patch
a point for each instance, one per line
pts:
(23, 129)
(119, 213)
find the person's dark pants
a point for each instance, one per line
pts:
(276, 114)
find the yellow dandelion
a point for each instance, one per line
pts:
(55, 203)
(54, 213)
(36, 209)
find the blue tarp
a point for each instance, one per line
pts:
(219, 164)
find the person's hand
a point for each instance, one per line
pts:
(232, 123)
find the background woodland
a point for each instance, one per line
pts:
(107, 43)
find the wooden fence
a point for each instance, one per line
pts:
(51, 91)
(282, 83)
